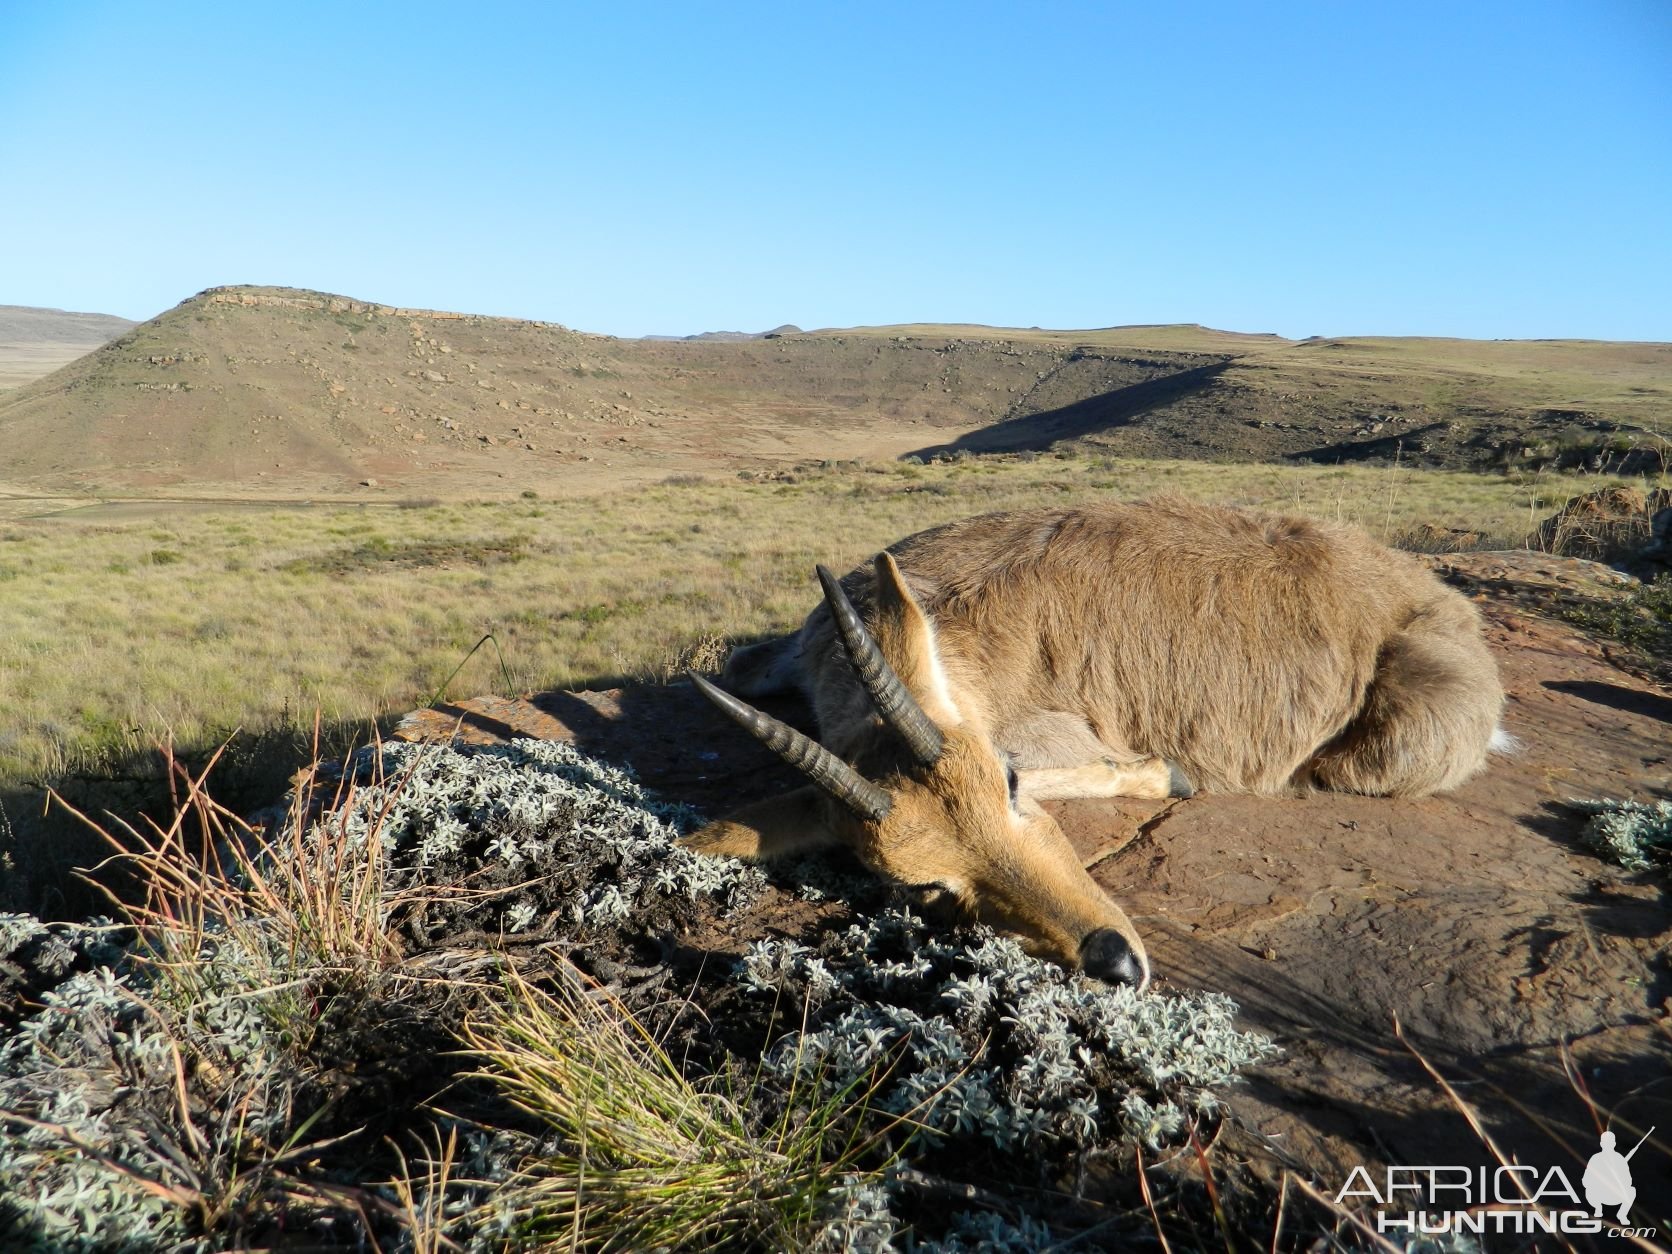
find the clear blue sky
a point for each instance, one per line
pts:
(1475, 167)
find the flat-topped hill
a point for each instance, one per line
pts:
(275, 392)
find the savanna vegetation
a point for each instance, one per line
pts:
(197, 627)
(112, 634)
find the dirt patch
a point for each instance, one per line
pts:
(1374, 938)
(1473, 921)
(416, 555)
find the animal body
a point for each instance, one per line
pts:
(978, 668)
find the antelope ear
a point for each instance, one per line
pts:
(792, 823)
(907, 640)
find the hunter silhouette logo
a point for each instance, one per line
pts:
(1607, 1176)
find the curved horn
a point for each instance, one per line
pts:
(894, 702)
(804, 753)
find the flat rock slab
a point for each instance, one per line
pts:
(1528, 973)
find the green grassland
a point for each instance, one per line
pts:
(196, 624)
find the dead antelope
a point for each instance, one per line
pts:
(1112, 650)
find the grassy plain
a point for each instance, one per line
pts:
(113, 634)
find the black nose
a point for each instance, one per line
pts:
(1106, 955)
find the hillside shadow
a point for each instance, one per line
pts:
(1038, 431)
(1381, 448)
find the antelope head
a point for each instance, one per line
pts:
(928, 802)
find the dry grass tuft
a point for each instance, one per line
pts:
(262, 988)
(633, 1155)
(211, 878)
(1606, 525)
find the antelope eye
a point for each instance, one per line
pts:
(1010, 780)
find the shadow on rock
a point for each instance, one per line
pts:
(1616, 697)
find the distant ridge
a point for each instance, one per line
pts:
(283, 393)
(23, 324)
(789, 328)
(36, 341)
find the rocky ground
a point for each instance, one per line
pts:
(1384, 944)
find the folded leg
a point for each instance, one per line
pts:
(1148, 777)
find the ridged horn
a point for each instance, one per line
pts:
(899, 709)
(805, 754)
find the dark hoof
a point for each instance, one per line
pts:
(1107, 956)
(1177, 784)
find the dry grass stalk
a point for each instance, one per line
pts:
(422, 1202)
(312, 888)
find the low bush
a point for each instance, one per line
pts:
(428, 1005)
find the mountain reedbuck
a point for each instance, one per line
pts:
(978, 668)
